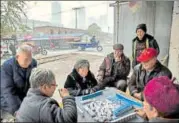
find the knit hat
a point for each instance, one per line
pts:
(142, 26)
(147, 54)
(118, 47)
(162, 94)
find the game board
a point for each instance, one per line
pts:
(107, 106)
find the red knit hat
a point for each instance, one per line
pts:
(147, 54)
(162, 94)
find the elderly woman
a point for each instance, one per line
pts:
(37, 106)
(81, 80)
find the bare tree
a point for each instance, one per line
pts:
(11, 14)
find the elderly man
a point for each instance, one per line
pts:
(115, 69)
(37, 106)
(161, 101)
(81, 81)
(15, 74)
(142, 41)
(149, 68)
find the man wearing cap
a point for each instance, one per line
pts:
(115, 69)
(161, 101)
(149, 68)
(142, 41)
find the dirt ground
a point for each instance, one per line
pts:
(62, 68)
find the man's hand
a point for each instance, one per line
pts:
(141, 113)
(63, 92)
(138, 96)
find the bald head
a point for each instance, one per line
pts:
(24, 55)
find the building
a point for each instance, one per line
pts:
(35, 23)
(56, 13)
(81, 15)
(161, 18)
(31, 24)
(127, 15)
(56, 30)
(103, 22)
(174, 42)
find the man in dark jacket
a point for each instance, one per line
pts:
(15, 74)
(38, 107)
(149, 68)
(142, 41)
(161, 101)
(81, 80)
(115, 69)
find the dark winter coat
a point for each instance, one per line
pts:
(38, 108)
(149, 41)
(14, 84)
(112, 71)
(140, 78)
(77, 87)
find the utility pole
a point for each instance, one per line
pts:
(76, 16)
(33, 25)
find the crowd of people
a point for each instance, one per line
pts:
(26, 89)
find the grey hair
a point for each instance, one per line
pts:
(24, 48)
(40, 76)
(82, 63)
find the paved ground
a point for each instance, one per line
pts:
(63, 67)
(107, 48)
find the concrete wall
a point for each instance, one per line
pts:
(174, 42)
(163, 23)
(157, 16)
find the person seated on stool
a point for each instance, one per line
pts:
(81, 81)
(149, 68)
(38, 106)
(115, 68)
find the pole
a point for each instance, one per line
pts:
(76, 16)
(76, 26)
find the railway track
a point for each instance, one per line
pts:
(46, 59)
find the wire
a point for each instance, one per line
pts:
(68, 10)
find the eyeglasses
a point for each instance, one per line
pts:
(54, 85)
